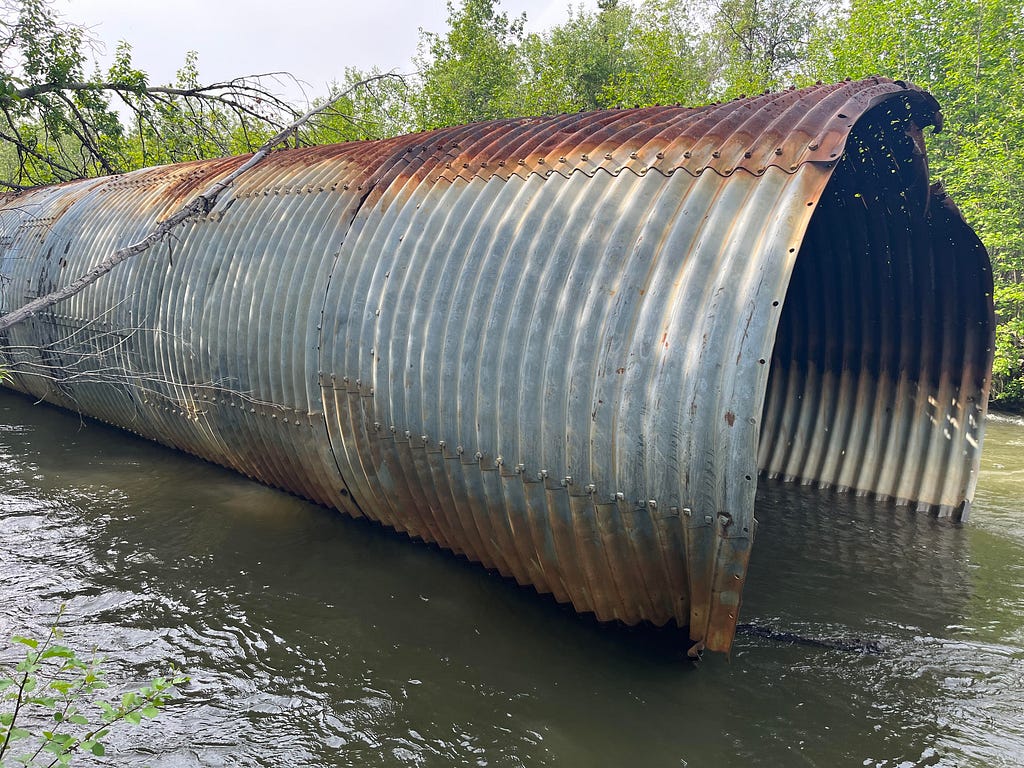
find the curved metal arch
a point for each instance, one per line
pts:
(562, 347)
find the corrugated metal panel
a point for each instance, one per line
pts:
(545, 343)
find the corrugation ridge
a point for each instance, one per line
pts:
(518, 285)
(393, 353)
(122, 224)
(565, 329)
(545, 343)
(483, 380)
(442, 347)
(307, 255)
(254, 379)
(344, 297)
(696, 200)
(585, 369)
(699, 288)
(462, 340)
(359, 363)
(419, 388)
(231, 317)
(352, 463)
(521, 389)
(622, 330)
(305, 249)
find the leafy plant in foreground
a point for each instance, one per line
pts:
(51, 706)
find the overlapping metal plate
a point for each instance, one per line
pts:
(544, 343)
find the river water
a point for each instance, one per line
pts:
(872, 636)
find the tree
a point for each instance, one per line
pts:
(570, 67)
(471, 73)
(58, 123)
(970, 55)
(760, 44)
(669, 61)
(196, 206)
(377, 106)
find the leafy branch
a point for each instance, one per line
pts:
(51, 707)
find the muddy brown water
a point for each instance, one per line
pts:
(872, 636)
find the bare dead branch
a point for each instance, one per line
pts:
(197, 206)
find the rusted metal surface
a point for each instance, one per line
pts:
(545, 343)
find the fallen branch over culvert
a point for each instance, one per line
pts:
(197, 206)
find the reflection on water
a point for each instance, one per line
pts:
(316, 640)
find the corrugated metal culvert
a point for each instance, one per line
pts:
(562, 347)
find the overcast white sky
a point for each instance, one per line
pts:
(312, 39)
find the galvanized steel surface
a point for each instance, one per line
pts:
(545, 343)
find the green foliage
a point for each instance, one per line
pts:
(761, 44)
(1008, 369)
(52, 130)
(569, 67)
(52, 706)
(60, 122)
(969, 54)
(472, 72)
(668, 61)
(379, 110)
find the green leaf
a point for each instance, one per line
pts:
(58, 652)
(150, 711)
(97, 749)
(29, 641)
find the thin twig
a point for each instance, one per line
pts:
(197, 206)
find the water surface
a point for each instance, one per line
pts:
(873, 636)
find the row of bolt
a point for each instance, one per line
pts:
(543, 474)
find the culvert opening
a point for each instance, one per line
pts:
(878, 380)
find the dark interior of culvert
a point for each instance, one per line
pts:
(879, 375)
